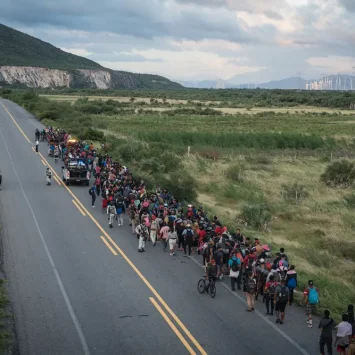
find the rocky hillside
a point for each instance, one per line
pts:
(30, 62)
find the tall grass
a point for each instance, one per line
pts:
(237, 140)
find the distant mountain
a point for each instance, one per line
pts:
(28, 61)
(331, 82)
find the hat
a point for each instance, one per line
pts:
(262, 261)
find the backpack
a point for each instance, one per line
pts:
(283, 295)
(90, 192)
(283, 275)
(154, 225)
(235, 266)
(292, 283)
(189, 233)
(272, 289)
(251, 286)
(112, 209)
(313, 297)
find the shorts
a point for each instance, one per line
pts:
(280, 307)
(311, 308)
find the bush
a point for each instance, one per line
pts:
(181, 184)
(151, 165)
(339, 174)
(257, 216)
(234, 173)
(350, 201)
(92, 135)
(294, 192)
(132, 151)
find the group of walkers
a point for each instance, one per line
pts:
(156, 216)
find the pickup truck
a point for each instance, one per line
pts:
(76, 172)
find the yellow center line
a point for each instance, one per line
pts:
(43, 162)
(108, 245)
(15, 123)
(172, 326)
(147, 283)
(80, 210)
(33, 149)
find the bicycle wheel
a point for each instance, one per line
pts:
(201, 286)
(213, 290)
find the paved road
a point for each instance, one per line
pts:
(78, 287)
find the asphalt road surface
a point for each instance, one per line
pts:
(78, 287)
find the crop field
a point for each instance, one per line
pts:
(260, 169)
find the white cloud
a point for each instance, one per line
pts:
(184, 64)
(77, 51)
(333, 63)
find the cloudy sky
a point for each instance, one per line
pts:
(250, 40)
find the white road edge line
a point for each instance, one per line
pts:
(54, 268)
(283, 334)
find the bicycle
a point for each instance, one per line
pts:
(208, 287)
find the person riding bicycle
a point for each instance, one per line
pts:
(211, 270)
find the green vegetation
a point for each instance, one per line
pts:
(233, 98)
(284, 177)
(20, 49)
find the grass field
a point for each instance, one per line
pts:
(260, 172)
(225, 110)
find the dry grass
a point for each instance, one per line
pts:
(225, 110)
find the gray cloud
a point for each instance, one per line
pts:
(348, 4)
(264, 32)
(128, 17)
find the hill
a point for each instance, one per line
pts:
(28, 61)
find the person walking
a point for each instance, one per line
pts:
(142, 235)
(92, 193)
(172, 236)
(326, 338)
(234, 265)
(154, 229)
(249, 291)
(343, 337)
(281, 298)
(311, 297)
(188, 235)
(291, 281)
(270, 290)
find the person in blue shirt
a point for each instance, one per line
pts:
(92, 193)
(234, 265)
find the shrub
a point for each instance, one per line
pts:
(339, 174)
(132, 151)
(350, 201)
(294, 192)
(151, 165)
(181, 184)
(234, 173)
(257, 216)
(92, 135)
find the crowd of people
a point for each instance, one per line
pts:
(156, 216)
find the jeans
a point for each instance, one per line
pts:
(291, 294)
(141, 243)
(270, 302)
(93, 198)
(328, 343)
(187, 243)
(234, 280)
(181, 241)
(153, 236)
(120, 219)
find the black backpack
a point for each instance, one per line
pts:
(235, 266)
(189, 233)
(251, 285)
(272, 290)
(283, 295)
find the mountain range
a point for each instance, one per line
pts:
(330, 82)
(29, 62)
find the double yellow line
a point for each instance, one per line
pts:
(114, 248)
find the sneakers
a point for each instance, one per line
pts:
(171, 254)
(143, 250)
(278, 321)
(139, 250)
(281, 322)
(267, 313)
